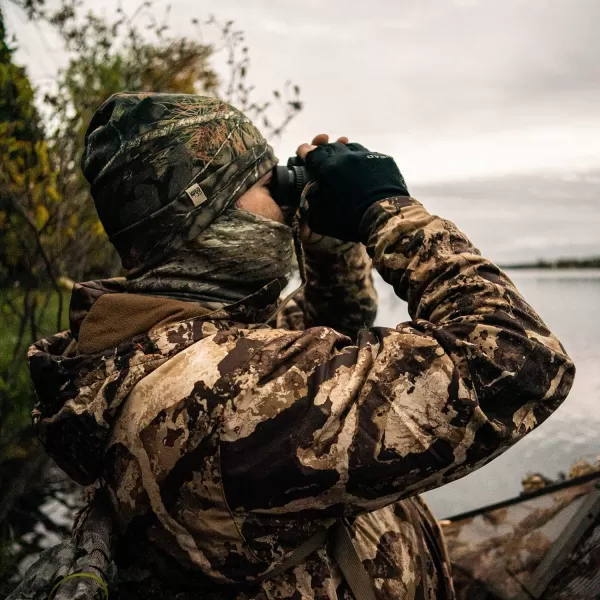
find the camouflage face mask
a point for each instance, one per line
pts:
(235, 257)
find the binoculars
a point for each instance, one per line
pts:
(287, 184)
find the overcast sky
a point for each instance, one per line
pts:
(453, 89)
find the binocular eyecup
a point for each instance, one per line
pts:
(287, 184)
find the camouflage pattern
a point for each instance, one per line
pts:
(214, 268)
(227, 443)
(339, 291)
(499, 550)
(144, 150)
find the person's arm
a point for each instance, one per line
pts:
(339, 290)
(338, 428)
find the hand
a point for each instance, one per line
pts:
(307, 236)
(350, 179)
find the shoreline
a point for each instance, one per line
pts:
(556, 265)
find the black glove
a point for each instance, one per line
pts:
(350, 178)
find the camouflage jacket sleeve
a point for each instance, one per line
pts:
(339, 290)
(405, 409)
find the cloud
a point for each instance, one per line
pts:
(451, 88)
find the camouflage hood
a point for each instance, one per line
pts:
(81, 381)
(163, 167)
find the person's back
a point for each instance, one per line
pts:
(228, 445)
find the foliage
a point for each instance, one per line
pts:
(27, 194)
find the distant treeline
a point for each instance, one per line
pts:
(561, 263)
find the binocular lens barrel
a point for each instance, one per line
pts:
(287, 184)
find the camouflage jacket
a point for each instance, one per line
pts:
(224, 443)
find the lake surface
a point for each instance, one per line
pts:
(569, 302)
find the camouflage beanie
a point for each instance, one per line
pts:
(163, 167)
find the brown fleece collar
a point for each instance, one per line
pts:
(114, 318)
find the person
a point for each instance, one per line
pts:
(228, 432)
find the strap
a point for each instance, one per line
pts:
(344, 553)
(347, 558)
(297, 556)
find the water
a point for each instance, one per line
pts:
(569, 302)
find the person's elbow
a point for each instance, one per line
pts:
(525, 392)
